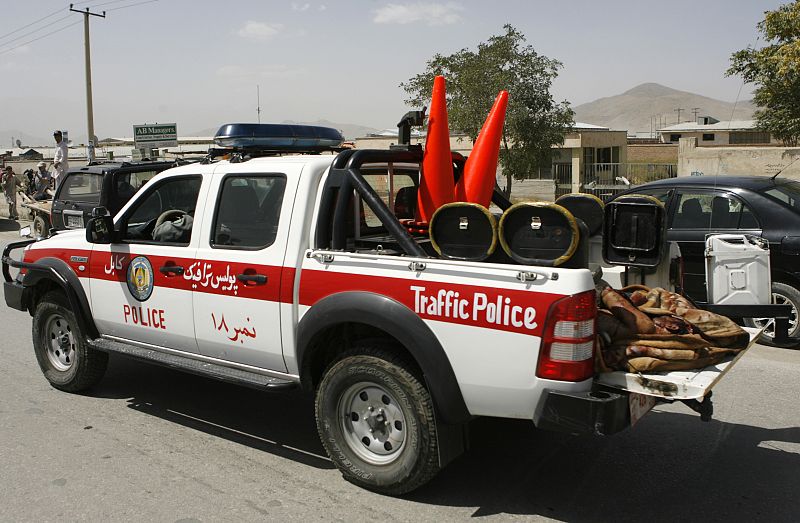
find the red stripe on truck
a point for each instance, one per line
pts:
(520, 311)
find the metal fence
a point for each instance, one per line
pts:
(606, 180)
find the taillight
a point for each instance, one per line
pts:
(568, 343)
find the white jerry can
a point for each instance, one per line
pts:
(737, 270)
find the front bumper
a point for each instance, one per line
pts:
(597, 412)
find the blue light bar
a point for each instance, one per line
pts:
(278, 137)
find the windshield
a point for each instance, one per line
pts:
(787, 193)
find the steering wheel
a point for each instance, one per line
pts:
(172, 215)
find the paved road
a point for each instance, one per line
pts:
(153, 444)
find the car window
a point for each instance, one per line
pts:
(165, 214)
(81, 187)
(715, 211)
(786, 193)
(248, 210)
(127, 184)
(403, 199)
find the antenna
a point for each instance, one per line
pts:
(784, 168)
(258, 102)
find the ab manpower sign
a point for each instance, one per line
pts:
(155, 136)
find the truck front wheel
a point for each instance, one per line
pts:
(376, 421)
(65, 359)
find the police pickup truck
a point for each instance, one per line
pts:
(275, 271)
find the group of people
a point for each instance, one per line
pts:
(40, 180)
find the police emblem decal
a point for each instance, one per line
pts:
(140, 278)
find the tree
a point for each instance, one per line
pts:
(534, 121)
(775, 70)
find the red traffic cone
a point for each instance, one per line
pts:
(477, 183)
(436, 180)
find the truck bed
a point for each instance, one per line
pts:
(675, 385)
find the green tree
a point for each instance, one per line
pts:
(775, 71)
(534, 120)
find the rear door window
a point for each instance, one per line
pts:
(248, 210)
(81, 187)
(713, 211)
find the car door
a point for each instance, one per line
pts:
(139, 287)
(698, 213)
(238, 273)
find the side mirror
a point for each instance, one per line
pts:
(100, 229)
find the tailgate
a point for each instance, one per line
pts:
(675, 385)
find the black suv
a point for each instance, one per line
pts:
(108, 185)
(758, 205)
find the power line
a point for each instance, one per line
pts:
(22, 36)
(39, 38)
(132, 5)
(32, 23)
(16, 39)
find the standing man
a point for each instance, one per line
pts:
(10, 183)
(61, 159)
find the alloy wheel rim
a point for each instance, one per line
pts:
(778, 299)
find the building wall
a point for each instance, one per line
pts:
(720, 137)
(653, 153)
(740, 160)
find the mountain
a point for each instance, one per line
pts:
(633, 109)
(27, 140)
(350, 131)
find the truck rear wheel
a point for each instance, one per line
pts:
(65, 359)
(376, 421)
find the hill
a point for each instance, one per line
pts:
(349, 130)
(632, 109)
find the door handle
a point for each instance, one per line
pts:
(171, 270)
(252, 279)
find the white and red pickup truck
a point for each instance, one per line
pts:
(278, 271)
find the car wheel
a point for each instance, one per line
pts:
(782, 294)
(67, 362)
(376, 421)
(41, 226)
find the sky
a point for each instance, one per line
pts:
(198, 63)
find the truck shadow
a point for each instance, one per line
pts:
(280, 423)
(670, 467)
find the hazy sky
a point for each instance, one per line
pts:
(197, 62)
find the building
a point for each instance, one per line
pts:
(592, 157)
(710, 131)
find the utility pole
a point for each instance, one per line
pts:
(258, 102)
(695, 110)
(89, 110)
(678, 110)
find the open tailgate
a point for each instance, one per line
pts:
(675, 385)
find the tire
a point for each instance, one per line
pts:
(40, 227)
(781, 293)
(376, 421)
(67, 362)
